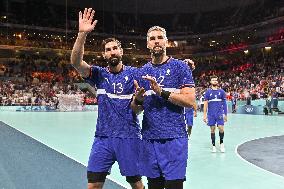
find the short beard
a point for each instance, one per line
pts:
(113, 61)
(157, 53)
(214, 85)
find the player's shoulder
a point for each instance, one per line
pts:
(147, 65)
(222, 90)
(145, 68)
(177, 62)
(129, 69)
(97, 68)
(208, 90)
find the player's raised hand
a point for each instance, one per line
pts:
(154, 85)
(86, 23)
(139, 92)
(190, 63)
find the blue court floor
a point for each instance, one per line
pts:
(71, 133)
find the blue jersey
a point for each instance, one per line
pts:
(216, 102)
(188, 116)
(114, 95)
(189, 111)
(162, 119)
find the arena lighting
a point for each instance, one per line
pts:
(18, 35)
(246, 51)
(267, 48)
(213, 41)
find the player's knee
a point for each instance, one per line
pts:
(221, 129)
(174, 184)
(133, 179)
(96, 177)
(156, 183)
(97, 185)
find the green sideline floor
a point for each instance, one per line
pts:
(71, 133)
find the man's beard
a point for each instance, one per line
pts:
(113, 61)
(215, 85)
(157, 51)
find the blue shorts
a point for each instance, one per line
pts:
(105, 151)
(214, 120)
(189, 118)
(164, 157)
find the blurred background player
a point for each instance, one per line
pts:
(215, 111)
(189, 114)
(117, 136)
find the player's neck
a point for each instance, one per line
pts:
(214, 87)
(117, 68)
(159, 59)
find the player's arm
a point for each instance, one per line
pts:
(138, 99)
(186, 97)
(136, 105)
(225, 109)
(194, 106)
(205, 109)
(86, 25)
(190, 63)
(195, 109)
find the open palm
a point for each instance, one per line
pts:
(86, 23)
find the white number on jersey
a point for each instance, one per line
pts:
(117, 88)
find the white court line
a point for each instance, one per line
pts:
(120, 184)
(236, 151)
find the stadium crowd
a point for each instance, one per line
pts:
(31, 79)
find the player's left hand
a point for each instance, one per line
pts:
(195, 113)
(225, 118)
(190, 63)
(153, 84)
(139, 92)
(205, 119)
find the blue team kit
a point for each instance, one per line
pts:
(117, 136)
(163, 125)
(217, 106)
